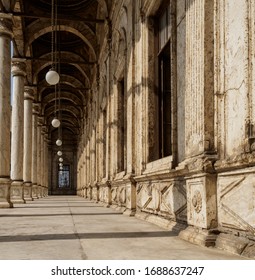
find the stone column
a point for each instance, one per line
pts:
(45, 163)
(42, 162)
(39, 167)
(17, 188)
(34, 151)
(27, 158)
(5, 109)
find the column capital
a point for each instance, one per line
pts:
(19, 67)
(40, 121)
(6, 24)
(35, 109)
(29, 93)
(44, 129)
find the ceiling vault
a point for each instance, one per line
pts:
(77, 50)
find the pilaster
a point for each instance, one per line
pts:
(199, 123)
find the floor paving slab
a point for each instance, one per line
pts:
(71, 228)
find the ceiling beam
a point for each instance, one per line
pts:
(60, 17)
(61, 61)
(65, 87)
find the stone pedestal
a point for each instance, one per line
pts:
(28, 191)
(17, 192)
(105, 193)
(5, 193)
(201, 209)
(95, 192)
(130, 196)
(40, 191)
(35, 194)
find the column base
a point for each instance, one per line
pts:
(35, 191)
(199, 236)
(28, 191)
(41, 192)
(5, 193)
(129, 212)
(44, 191)
(17, 192)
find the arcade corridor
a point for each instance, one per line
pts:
(144, 106)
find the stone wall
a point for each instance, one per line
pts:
(205, 188)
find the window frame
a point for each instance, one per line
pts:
(154, 160)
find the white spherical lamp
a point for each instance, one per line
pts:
(52, 77)
(59, 142)
(61, 164)
(55, 122)
(61, 168)
(59, 153)
(60, 159)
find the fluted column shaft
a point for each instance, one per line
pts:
(27, 159)
(5, 108)
(34, 151)
(17, 126)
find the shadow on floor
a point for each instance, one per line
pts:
(40, 206)
(60, 214)
(92, 235)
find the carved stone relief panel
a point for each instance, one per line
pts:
(95, 193)
(118, 194)
(236, 200)
(167, 199)
(201, 201)
(102, 194)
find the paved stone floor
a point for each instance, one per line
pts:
(69, 227)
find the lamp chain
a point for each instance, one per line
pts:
(52, 32)
(55, 26)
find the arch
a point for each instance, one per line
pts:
(69, 108)
(64, 95)
(66, 80)
(40, 27)
(40, 65)
(51, 103)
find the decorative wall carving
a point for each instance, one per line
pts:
(167, 199)
(236, 201)
(201, 201)
(197, 201)
(118, 194)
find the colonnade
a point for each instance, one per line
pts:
(23, 137)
